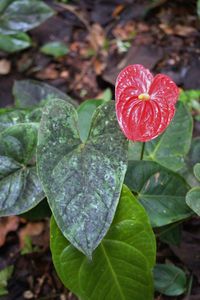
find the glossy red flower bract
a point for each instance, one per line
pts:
(145, 105)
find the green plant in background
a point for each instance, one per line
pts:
(155, 189)
(16, 18)
(192, 99)
(56, 49)
(5, 275)
(198, 8)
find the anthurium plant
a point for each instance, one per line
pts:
(111, 171)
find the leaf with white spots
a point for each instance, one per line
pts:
(82, 180)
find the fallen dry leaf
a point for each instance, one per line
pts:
(49, 73)
(96, 36)
(125, 31)
(7, 225)
(180, 30)
(117, 11)
(5, 66)
(99, 66)
(31, 229)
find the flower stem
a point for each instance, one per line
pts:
(142, 152)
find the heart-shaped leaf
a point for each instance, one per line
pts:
(23, 15)
(20, 189)
(170, 148)
(82, 181)
(161, 191)
(122, 263)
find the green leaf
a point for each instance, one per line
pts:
(194, 154)
(14, 42)
(85, 113)
(4, 4)
(169, 280)
(197, 170)
(20, 189)
(29, 93)
(192, 158)
(23, 15)
(122, 263)
(198, 8)
(161, 191)
(84, 178)
(170, 234)
(134, 150)
(10, 117)
(107, 95)
(170, 148)
(193, 199)
(5, 275)
(55, 49)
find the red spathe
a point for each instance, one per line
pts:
(145, 105)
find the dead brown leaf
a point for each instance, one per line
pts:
(118, 9)
(96, 36)
(99, 66)
(7, 225)
(125, 31)
(181, 30)
(48, 73)
(5, 66)
(31, 229)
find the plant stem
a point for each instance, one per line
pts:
(142, 152)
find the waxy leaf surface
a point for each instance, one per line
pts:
(14, 42)
(10, 117)
(22, 15)
(193, 199)
(161, 191)
(169, 280)
(30, 93)
(82, 181)
(20, 188)
(85, 113)
(122, 263)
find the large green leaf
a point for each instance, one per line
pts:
(14, 42)
(82, 181)
(193, 199)
(29, 93)
(170, 148)
(169, 280)
(20, 189)
(23, 15)
(161, 191)
(85, 113)
(122, 263)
